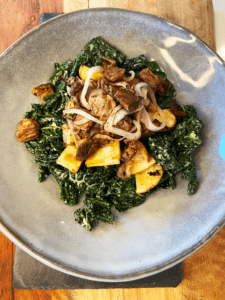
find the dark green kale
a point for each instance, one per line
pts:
(63, 69)
(92, 54)
(103, 190)
(123, 193)
(173, 149)
(83, 217)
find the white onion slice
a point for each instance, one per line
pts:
(120, 115)
(137, 134)
(106, 137)
(82, 113)
(131, 77)
(68, 89)
(139, 86)
(69, 122)
(123, 113)
(111, 117)
(148, 123)
(91, 71)
(122, 83)
(144, 84)
(109, 127)
(81, 122)
(64, 130)
(140, 92)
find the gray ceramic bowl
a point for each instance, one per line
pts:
(170, 225)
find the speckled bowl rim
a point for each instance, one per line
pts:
(132, 276)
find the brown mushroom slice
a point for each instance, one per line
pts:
(127, 99)
(150, 78)
(139, 162)
(28, 129)
(175, 109)
(163, 87)
(43, 90)
(148, 179)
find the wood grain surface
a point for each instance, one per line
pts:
(204, 271)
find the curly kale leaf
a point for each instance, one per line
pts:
(97, 204)
(101, 195)
(172, 150)
(63, 69)
(43, 173)
(83, 217)
(123, 193)
(92, 54)
(69, 193)
(49, 145)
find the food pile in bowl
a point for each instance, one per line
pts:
(110, 127)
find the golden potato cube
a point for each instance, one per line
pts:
(148, 179)
(83, 71)
(106, 156)
(141, 160)
(68, 159)
(170, 117)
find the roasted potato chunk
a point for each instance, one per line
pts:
(170, 118)
(83, 71)
(148, 179)
(105, 156)
(43, 90)
(139, 162)
(68, 159)
(28, 129)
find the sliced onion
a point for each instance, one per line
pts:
(68, 89)
(139, 86)
(106, 137)
(64, 130)
(71, 129)
(82, 113)
(141, 92)
(137, 134)
(144, 84)
(123, 113)
(81, 122)
(148, 123)
(131, 77)
(91, 71)
(111, 117)
(109, 127)
(122, 83)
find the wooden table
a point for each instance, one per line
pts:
(204, 271)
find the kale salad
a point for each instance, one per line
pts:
(109, 128)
